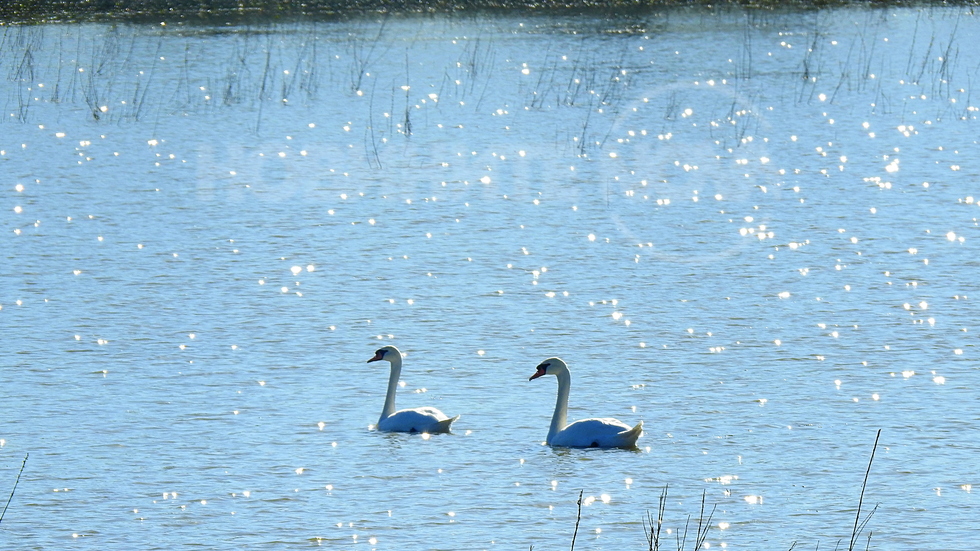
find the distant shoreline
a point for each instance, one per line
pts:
(205, 11)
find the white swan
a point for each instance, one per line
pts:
(586, 433)
(425, 419)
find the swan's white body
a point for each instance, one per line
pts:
(425, 419)
(586, 433)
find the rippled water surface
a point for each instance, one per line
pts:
(754, 231)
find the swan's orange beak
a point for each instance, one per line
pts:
(537, 373)
(379, 355)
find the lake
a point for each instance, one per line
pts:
(754, 230)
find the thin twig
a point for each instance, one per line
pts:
(12, 490)
(703, 524)
(578, 518)
(857, 518)
(661, 515)
(653, 530)
(682, 541)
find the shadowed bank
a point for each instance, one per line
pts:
(36, 11)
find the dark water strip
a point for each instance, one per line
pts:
(255, 11)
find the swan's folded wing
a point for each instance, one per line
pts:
(597, 433)
(424, 419)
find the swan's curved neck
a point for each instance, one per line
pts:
(396, 370)
(560, 418)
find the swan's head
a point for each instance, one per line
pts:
(551, 366)
(385, 353)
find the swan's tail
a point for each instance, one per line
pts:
(631, 436)
(445, 424)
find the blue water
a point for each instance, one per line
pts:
(754, 231)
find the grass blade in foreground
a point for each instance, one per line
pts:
(14, 489)
(858, 525)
